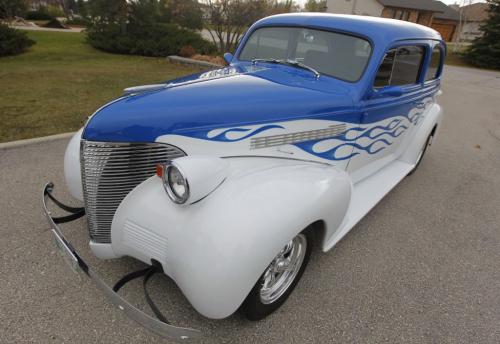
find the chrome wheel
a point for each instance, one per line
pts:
(282, 271)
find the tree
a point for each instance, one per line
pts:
(108, 12)
(315, 6)
(12, 8)
(81, 8)
(227, 20)
(185, 13)
(485, 50)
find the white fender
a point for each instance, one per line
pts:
(433, 117)
(72, 170)
(216, 249)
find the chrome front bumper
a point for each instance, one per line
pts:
(78, 264)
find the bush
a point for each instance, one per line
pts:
(55, 24)
(41, 14)
(55, 11)
(12, 41)
(78, 21)
(187, 51)
(148, 40)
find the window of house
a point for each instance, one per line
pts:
(398, 14)
(400, 67)
(433, 70)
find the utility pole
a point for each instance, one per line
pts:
(462, 22)
(354, 6)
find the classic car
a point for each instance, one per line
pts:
(225, 180)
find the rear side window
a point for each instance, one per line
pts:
(400, 66)
(433, 70)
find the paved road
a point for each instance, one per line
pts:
(422, 267)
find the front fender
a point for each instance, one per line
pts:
(72, 168)
(216, 249)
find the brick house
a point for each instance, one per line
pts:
(430, 13)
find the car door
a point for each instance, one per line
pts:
(391, 111)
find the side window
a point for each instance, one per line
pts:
(383, 77)
(400, 67)
(432, 71)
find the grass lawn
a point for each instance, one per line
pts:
(62, 80)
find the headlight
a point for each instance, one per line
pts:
(191, 178)
(175, 183)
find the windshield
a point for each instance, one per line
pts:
(339, 55)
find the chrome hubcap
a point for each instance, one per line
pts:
(282, 271)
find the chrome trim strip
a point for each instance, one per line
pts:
(78, 264)
(297, 137)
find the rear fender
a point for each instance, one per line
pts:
(431, 121)
(216, 249)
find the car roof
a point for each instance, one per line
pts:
(377, 29)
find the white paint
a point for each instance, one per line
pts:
(218, 247)
(72, 172)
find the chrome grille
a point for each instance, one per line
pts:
(110, 171)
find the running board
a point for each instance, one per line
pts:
(367, 193)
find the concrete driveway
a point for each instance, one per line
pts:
(422, 267)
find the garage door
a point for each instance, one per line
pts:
(446, 30)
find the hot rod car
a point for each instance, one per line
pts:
(222, 179)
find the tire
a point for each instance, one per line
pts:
(264, 300)
(422, 153)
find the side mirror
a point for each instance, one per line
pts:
(388, 91)
(228, 57)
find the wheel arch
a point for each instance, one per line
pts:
(219, 247)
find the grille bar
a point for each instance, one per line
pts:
(110, 171)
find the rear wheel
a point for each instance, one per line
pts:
(422, 153)
(280, 277)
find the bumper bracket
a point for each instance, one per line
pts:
(160, 326)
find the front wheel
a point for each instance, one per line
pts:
(280, 277)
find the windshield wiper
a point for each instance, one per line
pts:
(290, 63)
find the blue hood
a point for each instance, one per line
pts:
(228, 97)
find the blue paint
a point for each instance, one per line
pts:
(386, 135)
(222, 137)
(244, 94)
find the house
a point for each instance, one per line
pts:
(474, 16)
(430, 13)
(446, 21)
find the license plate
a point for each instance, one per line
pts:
(66, 252)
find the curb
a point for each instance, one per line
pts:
(178, 59)
(26, 142)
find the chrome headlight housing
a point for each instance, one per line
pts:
(192, 178)
(175, 183)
